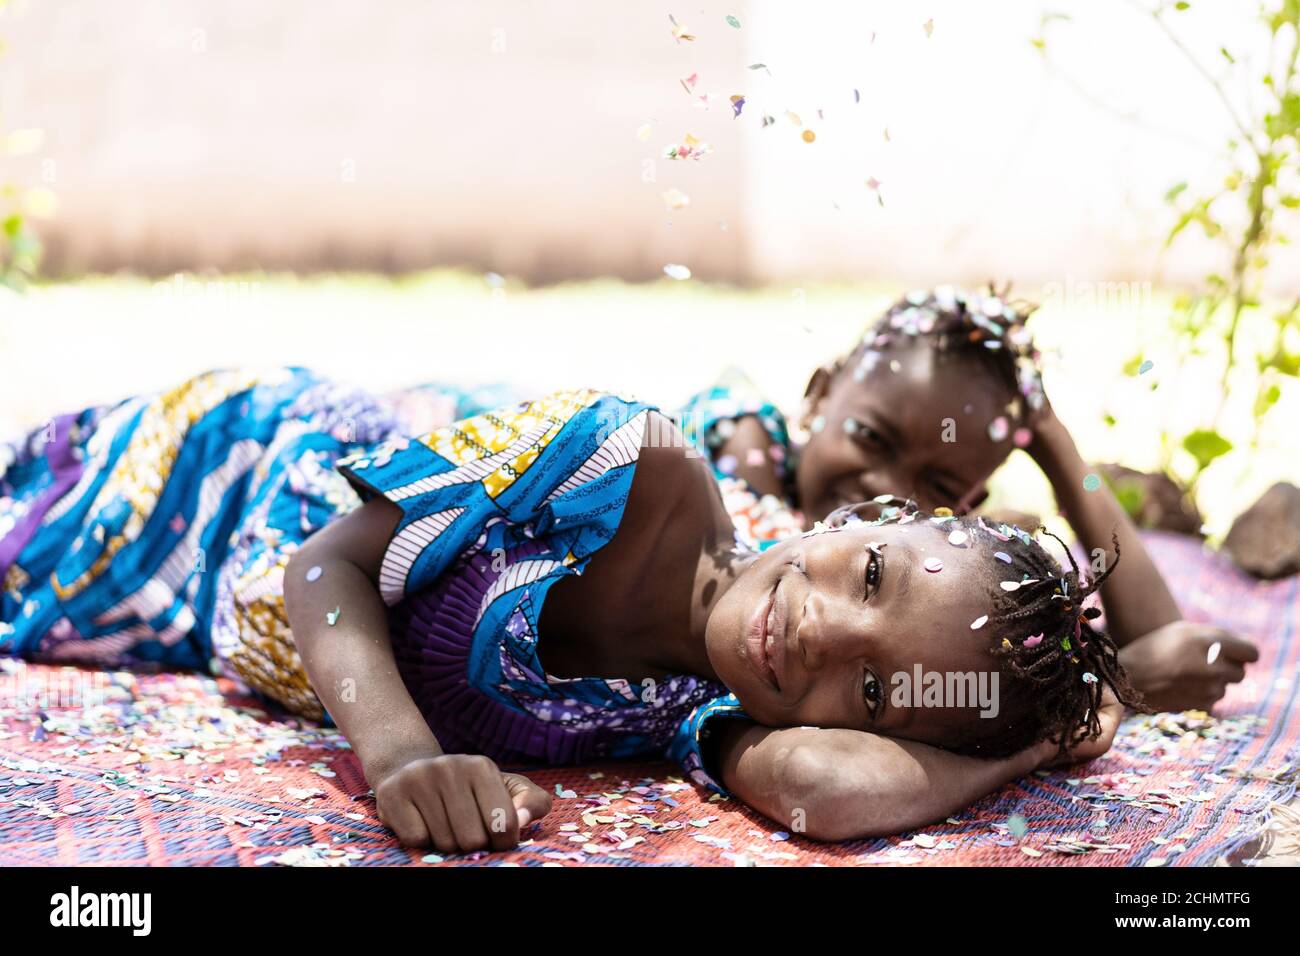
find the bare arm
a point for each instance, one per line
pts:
(1135, 596)
(351, 663)
(454, 801)
(835, 784)
(749, 435)
(840, 784)
(1173, 662)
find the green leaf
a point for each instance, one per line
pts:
(1205, 445)
(1266, 400)
(1175, 191)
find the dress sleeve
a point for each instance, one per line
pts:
(691, 746)
(708, 420)
(531, 470)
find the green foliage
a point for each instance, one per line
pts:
(20, 250)
(1241, 217)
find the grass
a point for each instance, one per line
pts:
(67, 344)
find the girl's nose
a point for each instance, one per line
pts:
(829, 632)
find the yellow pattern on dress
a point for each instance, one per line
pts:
(142, 469)
(266, 657)
(482, 436)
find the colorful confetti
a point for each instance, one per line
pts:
(933, 565)
(1091, 482)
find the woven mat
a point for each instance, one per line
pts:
(180, 770)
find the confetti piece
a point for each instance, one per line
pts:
(979, 622)
(999, 428)
(1002, 556)
(1089, 678)
(727, 464)
(688, 84)
(332, 616)
(675, 271)
(1017, 825)
(760, 66)
(1091, 482)
(737, 104)
(808, 136)
(313, 573)
(1022, 437)
(1145, 367)
(643, 132)
(755, 457)
(733, 22)
(1034, 641)
(679, 30)
(943, 512)
(1213, 654)
(690, 148)
(958, 538)
(676, 199)
(928, 27)
(857, 98)
(1010, 585)
(924, 840)
(1030, 851)
(564, 794)
(933, 565)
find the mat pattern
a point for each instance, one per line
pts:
(181, 770)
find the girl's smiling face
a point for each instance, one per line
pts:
(885, 433)
(815, 630)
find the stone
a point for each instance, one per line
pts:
(1265, 538)
(1153, 500)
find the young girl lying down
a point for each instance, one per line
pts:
(556, 582)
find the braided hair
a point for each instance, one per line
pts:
(1055, 663)
(987, 327)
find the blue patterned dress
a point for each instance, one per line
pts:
(157, 530)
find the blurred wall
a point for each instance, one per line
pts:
(503, 136)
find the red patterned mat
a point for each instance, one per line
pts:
(178, 769)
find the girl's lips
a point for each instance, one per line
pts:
(758, 638)
(775, 628)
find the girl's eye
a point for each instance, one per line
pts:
(873, 573)
(863, 434)
(871, 692)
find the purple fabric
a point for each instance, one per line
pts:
(432, 633)
(65, 470)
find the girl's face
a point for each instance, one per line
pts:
(914, 426)
(814, 632)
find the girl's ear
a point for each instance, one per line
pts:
(818, 386)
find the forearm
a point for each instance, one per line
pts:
(1135, 596)
(834, 784)
(351, 663)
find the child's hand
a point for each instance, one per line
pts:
(459, 802)
(1111, 713)
(1176, 668)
